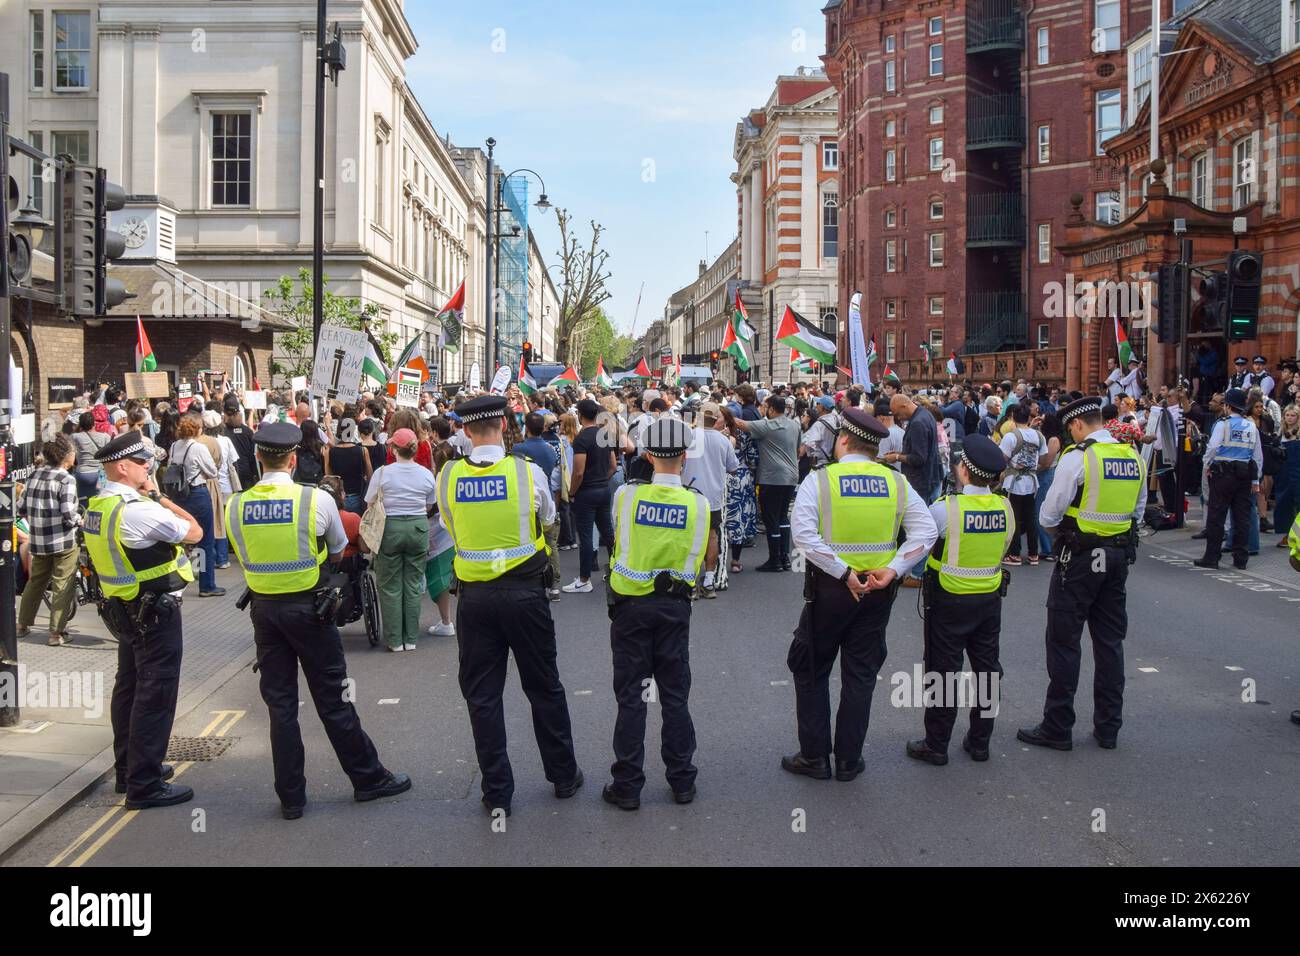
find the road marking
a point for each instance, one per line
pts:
(1232, 667)
(1148, 670)
(778, 683)
(582, 693)
(389, 700)
(221, 724)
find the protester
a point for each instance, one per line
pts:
(593, 465)
(227, 481)
(440, 559)
(1025, 450)
(194, 467)
(710, 459)
(350, 461)
(778, 474)
(48, 502)
(311, 455)
(86, 441)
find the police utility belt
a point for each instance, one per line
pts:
(665, 586)
(324, 599)
(131, 620)
(1241, 470)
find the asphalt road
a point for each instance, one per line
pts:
(1201, 777)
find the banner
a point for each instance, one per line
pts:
(336, 371)
(408, 387)
(857, 343)
(500, 380)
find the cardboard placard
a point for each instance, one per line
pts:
(408, 387)
(254, 400)
(147, 385)
(298, 383)
(336, 371)
(475, 376)
(500, 380)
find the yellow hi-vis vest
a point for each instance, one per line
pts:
(860, 506)
(122, 570)
(488, 510)
(1293, 539)
(657, 528)
(1113, 474)
(272, 530)
(980, 529)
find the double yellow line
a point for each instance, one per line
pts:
(106, 827)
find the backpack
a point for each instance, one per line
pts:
(310, 470)
(174, 485)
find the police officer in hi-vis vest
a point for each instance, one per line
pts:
(1234, 462)
(1096, 499)
(846, 521)
(660, 535)
(134, 538)
(494, 507)
(963, 592)
(1293, 543)
(281, 533)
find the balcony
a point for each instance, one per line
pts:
(994, 122)
(995, 322)
(994, 25)
(995, 220)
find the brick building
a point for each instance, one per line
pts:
(964, 127)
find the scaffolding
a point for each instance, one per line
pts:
(512, 304)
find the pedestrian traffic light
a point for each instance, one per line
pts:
(88, 244)
(1213, 301)
(1171, 298)
(1244, 274)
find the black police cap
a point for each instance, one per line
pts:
(1083, 406)
(278, 437)
(481, 409)
(863, 426)
(128, 445)
(667, 437)
(982, 457)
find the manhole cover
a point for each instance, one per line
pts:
(198, 748)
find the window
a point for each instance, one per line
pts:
(936, 26)
(1044, 47)
(936, 208)
(891, 346)
(1107, 120)
(232, 159)
(936, 341)
(891, 255)
(890, 76)
(1044, 242)
(891, 308)
(889, 44)
(1291, 31)
(830, 227)
(1044, 144)
(936, 249)
(891, 128)
(1200, 180)
(36, 186)
(936, 114)
(1243, 171)
(1108, 207)
(1139, 83)
(71, 51)
(239, 372)
(76, 145)
(935, 305)
(1044, 335)
(890, 164)
(830, 156)
(936, 154)
(381, 150)
(891, 218)
(38, 49)
(936, 59)
(1105, 33)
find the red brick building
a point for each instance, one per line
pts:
(965, 125)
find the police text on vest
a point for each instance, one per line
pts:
(985, 522)
(864, 486)
(660, 516)
(268, 512)
(1123, 468)
(488, 488)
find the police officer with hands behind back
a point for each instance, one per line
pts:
(281, 533)
(494, 508)
(134, 538)
(963, 591)
(1234, 460)
(846, 521)
(661, 531)
(1097, 497)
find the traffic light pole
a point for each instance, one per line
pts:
(9, 690)
(318, 210)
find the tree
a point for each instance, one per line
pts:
(583, 278)
(595, 339)
(295, 348)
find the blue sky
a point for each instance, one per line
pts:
(586, 93)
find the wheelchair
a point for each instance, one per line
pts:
(360, 597)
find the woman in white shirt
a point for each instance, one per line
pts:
(227, 478)
(409, 492)
(1025, 449)
(190, 457)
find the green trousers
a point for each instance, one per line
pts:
(55, 571)
(400, 569)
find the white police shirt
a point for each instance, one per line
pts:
(146, 522)
(1217, 435)
(1069, 479)
(805, 528)
(328, 523)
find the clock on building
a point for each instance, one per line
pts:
(135, 230)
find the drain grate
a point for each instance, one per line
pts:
(198, 748)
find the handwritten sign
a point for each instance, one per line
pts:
(147, 385)
(336, 373)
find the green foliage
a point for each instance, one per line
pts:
(292, 301)
(598, 338)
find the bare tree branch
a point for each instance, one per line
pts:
(584, 278)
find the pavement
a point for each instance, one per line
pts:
(1204, 773)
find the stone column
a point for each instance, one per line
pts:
(758, 221)
(114, 116)
(808, 218)
(746, 222)
(144, 110)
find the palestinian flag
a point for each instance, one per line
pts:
(410, 358)
(527, 384)
(569, 375)
(955, 365)
(144, 358)
(1121, 343)
(739, 331)
(452, 318)
(871, 351)
(846, 372)
(602, 377)
(373, 370)
(798, 333)
(800, 363)
(888, 374)
(929, 352)
(740, 321)
(642, 370)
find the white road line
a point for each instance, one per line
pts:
(582, 693)
(389, 700)
(1232, 667)
(1148, 670)
(778, 683)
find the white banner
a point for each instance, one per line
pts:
(500, 380)
(475, 377)
(336, 372)
(858, 342)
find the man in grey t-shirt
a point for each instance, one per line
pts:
(709, 460)
(777, 438)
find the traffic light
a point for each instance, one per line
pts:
(1244, 276)
(714, 358)
(88, 244)
(528, 353)
(1214, 289)
(1171, 302)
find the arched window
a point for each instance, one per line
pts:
(830, 226)
(240, 372)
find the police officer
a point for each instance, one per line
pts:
(1258, 376)
(846, 521)
(660, 535)
(281, 533)
(1293, 542)
(963, 599)
(1234, 460)
(1096, 498)
(1241, 376)
(495, 507)
(134, 538)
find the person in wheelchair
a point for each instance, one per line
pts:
(354, 563)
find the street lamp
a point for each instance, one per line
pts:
(494, 246)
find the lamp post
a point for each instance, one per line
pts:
(331, 58)
(495, 208)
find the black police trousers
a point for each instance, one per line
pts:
(287, 634)
(835, 624)
(1228, 492)
(491, 623)
(957, 623)
(650, 638)
(1087, 588)
(144, 701)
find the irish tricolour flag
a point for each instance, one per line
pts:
(527, 384)
(810, 341)
(144, 360)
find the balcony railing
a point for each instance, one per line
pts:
(995, 219)
(994, 25)
(995, 122)
(995, 322)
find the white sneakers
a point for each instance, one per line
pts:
(577, 586)
(443, 630)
